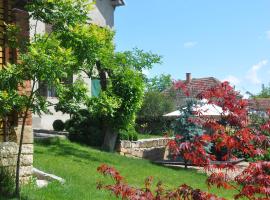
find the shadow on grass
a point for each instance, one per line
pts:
(63, 148)
(13, 198)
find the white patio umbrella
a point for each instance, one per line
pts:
(205, 110)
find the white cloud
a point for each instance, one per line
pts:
(252, 74)
(232, 80)
(190, 44)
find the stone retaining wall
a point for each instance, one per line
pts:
(9, 152)
(8, 159)
(151, 149)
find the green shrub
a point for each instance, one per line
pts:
(129, 134)
(85, 128)
(7, 182)
(154, 125)
(58, 125)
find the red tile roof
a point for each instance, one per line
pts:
(195, 87)
(198, 85)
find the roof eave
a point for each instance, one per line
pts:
(116, 3)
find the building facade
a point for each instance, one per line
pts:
(11, 11)
(102, 15)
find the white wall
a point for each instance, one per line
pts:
(102, 15)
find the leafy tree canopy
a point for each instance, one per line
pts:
(159, 83)
(264, 93)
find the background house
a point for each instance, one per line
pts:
(194, 85)
(102, 15)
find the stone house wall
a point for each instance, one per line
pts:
(150, 149)
(9, 146)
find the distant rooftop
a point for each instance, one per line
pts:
(195, 87)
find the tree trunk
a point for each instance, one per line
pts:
(109, 140)
(17, 189)
(6, 130)
(110, 136)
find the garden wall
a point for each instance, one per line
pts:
(151, 149)
(8, 159)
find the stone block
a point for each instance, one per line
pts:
(6, 162)
(125, 144)
(28, 134)
(8, 149)
(138, 154)
(26, 171)
(27, 149)
(26, 160)
(25, 179)
(134, 145)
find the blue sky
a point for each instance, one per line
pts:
(229, 40)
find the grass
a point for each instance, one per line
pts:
(148, 136)
(77, 165)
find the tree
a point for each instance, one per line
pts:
(159, 83)
(264, 93)
(233, 133)
(155, 104)
(44, 59)
(186, 130)
(120, 75)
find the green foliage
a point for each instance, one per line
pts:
(71, 48)
(128, 134)
(184, 126)
(137, 59)
(42, 60)
(71, 96)
(105, 105)
(7, 183)
(256, 121)
(264, 93)
(85, 128)
(150, 118)
(60, 14)
(154, 125)
(45, 61)
(156, 104)
(159, 83)
(58, 125)
(10, 79)
(128, 85)
(90, 44)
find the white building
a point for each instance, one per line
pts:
(102, 15)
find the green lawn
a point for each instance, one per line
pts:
(77, 165)
(148, 136)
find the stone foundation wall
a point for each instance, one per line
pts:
(9, 152)
(8, 159)
(151, 149)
